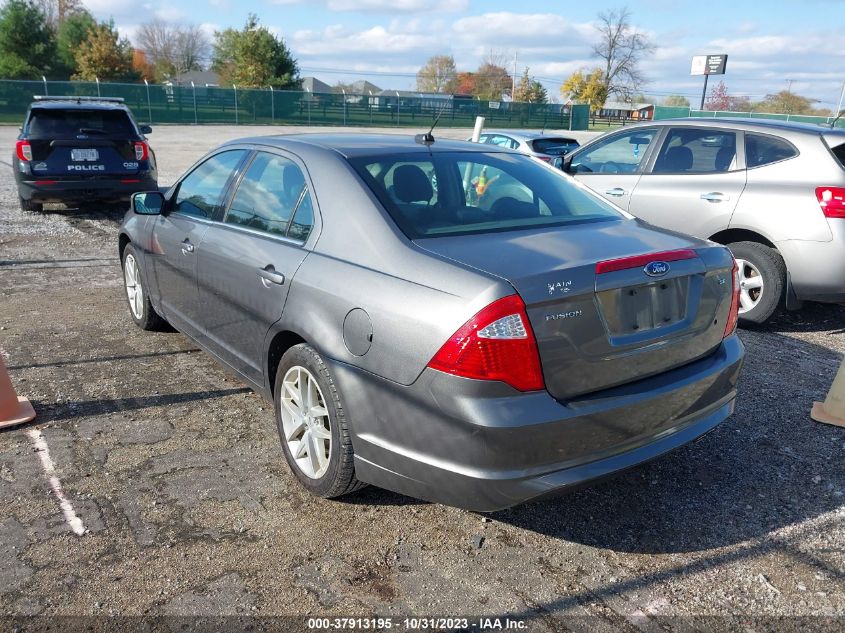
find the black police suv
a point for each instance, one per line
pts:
(81, 149)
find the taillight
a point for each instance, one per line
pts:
(141, 151)
(832, 201)
(733, 315)
(545, 159)
(496, 344)
(23, 150)
(639, 261)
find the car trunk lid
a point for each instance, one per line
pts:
(599, 318)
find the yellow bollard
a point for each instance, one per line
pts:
(832, 410)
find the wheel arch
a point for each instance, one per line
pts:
(122, 242)
(279, 344)
(741, 235)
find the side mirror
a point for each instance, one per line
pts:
(567, 163)
(146, 129)
(147, 203)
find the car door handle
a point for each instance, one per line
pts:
(268, 273)
(187, 247)
(715, 196)
(616, 191)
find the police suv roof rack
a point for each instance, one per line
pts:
(78, 99)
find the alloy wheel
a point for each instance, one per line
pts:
(134, 290)
(750, 285)
(305, 422)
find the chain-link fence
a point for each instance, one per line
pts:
(665, 112)
(212, 104)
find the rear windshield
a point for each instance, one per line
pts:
(456, 193)
(554, 146)
(47, 123)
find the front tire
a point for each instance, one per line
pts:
(762, 280)
(312, 424)
(140, 308)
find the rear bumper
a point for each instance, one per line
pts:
(483, 446)
(82, 190)
(817, 269)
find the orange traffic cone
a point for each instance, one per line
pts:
(832, 410)
(13, 409)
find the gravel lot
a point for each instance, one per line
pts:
(176, 472)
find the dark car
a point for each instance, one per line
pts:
(81, 149)
(504, 335)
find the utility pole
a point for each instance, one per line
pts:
(789, 85)
(841, 99)
(513, 82)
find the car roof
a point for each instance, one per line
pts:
(355, 145)
(82, 104)
(529, 135)
(743, 123)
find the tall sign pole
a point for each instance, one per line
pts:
(708, 65)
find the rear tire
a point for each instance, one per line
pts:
(29, 206)
(762, 281)
(312, 424)
(140, 308)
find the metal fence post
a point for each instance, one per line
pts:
(98, 85)
(44, 79)
(194, 89)
(343, 90)
(272, 106)
(149, 106)
(235, 88)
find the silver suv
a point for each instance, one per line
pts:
(774, 192)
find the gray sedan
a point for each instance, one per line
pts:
(773, 191)
(457, 323)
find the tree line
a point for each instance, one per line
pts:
(60, 39)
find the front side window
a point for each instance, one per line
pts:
(763, 150)
(200, 192)
(272, 191)
(621, 154)
(454, 193)
(696, 151)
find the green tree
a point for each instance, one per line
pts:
(529, 90)
(254, 58)
(27, 44)
(676, 101)
(104, 55)
(785, 102)
(439, 74)
(73, 31)
(588, 88)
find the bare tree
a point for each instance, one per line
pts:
(192, 46)
(173, 49)
(438, 75)
(56, 11)
(621, 47)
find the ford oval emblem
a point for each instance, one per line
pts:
(656, 269)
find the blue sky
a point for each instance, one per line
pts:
(386, 41)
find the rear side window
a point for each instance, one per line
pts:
(272, 190)
(696, 151)
(48, 123)
(763, 150)
(459, 193)
(839, 152)
(201, 191)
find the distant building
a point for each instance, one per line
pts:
(207, 78)
(363, 87)
(314, 85)
(622, 110)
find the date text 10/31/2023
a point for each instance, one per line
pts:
(418, 624)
